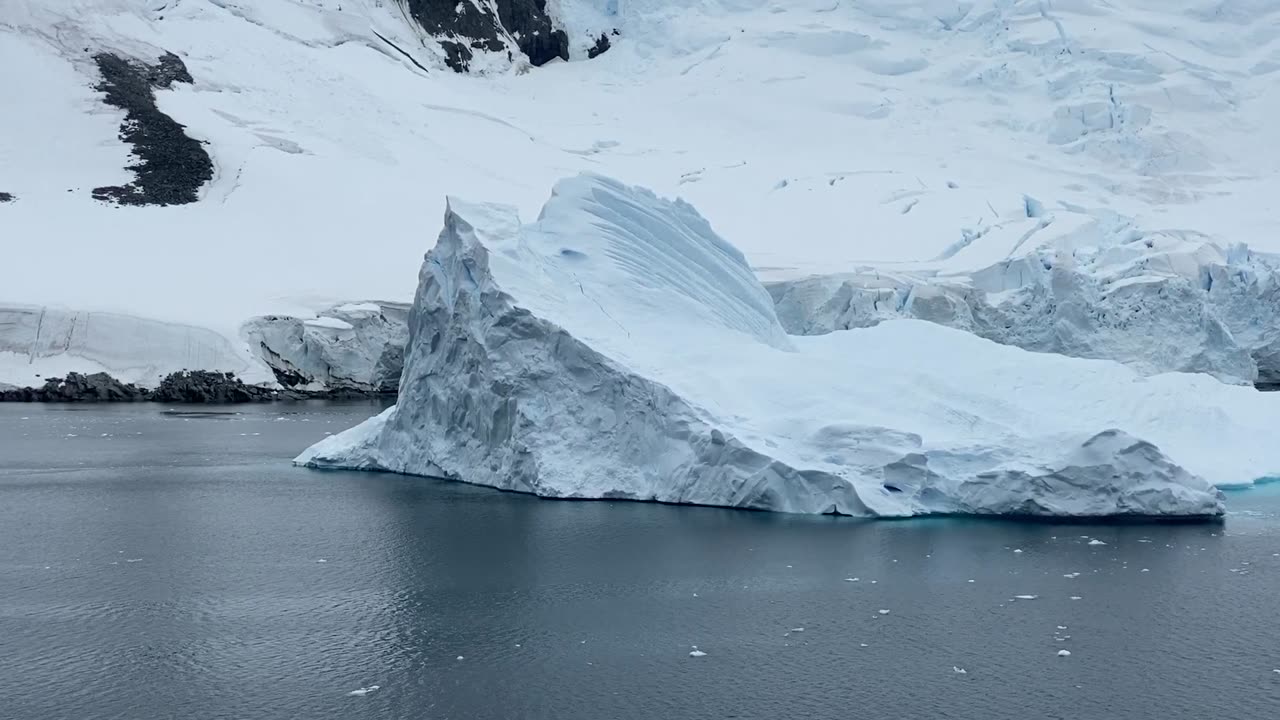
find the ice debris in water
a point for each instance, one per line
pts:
(1075, 597)
(696, 652)
(1064, 653)
(959, 670)
(363, 690)
(884, 612)
(1096, 541)
(797, 629)
(851, 579)
(1025, 597)
(1018, 550)
(459, 657)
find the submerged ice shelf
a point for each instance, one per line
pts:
(619, 348)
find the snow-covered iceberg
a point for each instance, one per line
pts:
(618, 348)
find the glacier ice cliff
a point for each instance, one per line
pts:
(1158, 302)
(618, 348)
(356, 346)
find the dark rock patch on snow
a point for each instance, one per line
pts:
(465, 27)
(602, 44)
(171, 167)
(7, 197)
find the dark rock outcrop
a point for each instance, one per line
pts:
(75, 387)
(171, 167)
(7, 197)
(602, 44)
(186, 386)
(463, 28)
(204, 386)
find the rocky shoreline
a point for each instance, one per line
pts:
(186, 386)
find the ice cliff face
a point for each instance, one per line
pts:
(353, 346)
(38, 342)
(618, 348)
(1156, 302)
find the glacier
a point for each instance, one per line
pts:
(944, 147)
(1158, 301)
(619, 348)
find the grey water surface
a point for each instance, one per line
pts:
(171, 563)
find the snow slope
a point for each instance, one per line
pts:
(900, 136)
(619, 348)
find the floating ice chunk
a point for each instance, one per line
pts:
(1076, 597)
(1145, 570)
(696, 652)
(884, 612)
(959, 670)
(1064, 653)
(1072, 575)
(133, 560)
(971, 581)
(1018, 550)
(1025, 597)
(1062, 627)
(1096, 541)
(364, 690)
(322, 560)
(459, 657)
(851, 579)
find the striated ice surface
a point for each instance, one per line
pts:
(619, 348)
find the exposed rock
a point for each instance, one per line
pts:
(600, 47)
(75, 387)
(186, 386)
(7, 197)
(465, 27)
(202, 386)
(171, 166)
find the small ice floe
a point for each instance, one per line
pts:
(133, 559)
(883, 612)
(1025, 597)
(1144, 540)
(797, 630)
(1145, 570)
(873, 582)
(322, 560)
(1018, 550)
(1076, 597)
(695, 594)
(959, 670)
(1062, 627)
(1072, 575)
(459, 657)
(788, 566)
(1096, 541)
(363, 691)
(1064, 653)
(696, 652)
(970, 581)
(851, 579)
(865, 645)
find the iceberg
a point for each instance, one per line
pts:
(619, 348)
